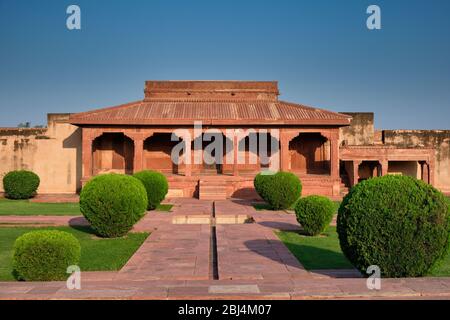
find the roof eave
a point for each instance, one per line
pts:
(153, 122)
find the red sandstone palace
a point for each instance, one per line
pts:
(329, 151)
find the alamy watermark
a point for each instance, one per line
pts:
(229, 146)
(73, 21)
(373, 282)
(374, 20)
(74, 280)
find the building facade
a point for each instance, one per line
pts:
(329, 151)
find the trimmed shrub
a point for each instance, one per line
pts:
(156, 185)
(261, 182)
(44, 255)
(398, 223)
(280, 190)
(314, 213)
(113, 203)
(20, 184)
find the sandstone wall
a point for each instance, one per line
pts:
(436, 139)
(53, 153)
(361, 131)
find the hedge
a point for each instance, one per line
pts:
(113, 203)
(280, 190)
(20, 184)
(314, 213)
(156, 185)
(398, 223)
(45, 255)
(261, 183)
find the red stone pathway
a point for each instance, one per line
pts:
(259, 253)
(173, 252)
(173, 263)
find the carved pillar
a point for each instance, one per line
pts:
(384, 167)
(138, 163)
(284, 146)
(235, 154)
(87, 153)
(430, 166)
(188, 156)
(334, 156)
(425, 171)
(355, 177)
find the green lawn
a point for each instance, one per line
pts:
(324, 252)
(266, 206)
(26, 208)
(164, 207)
(261, 206)
(97, 254)
(320, 252)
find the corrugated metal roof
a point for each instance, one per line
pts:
(213, 112)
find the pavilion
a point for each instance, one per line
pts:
(137, 135)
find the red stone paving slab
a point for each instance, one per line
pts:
(250, 251)
(187, 206)
(227, 207)
(179, 252)
(240, 289)
(153, 220)
(278, 220)
(336, 273)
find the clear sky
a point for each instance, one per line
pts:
(320, 51)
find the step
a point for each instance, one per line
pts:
(212, 190)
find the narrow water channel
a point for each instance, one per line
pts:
(213, 258)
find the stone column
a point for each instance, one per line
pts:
(188, 156)
(235, 154)
(430, 166)
(334, 156)
(284, 154)
(425, 171)
(86, 154)
(374, 171)
(138, 160)
(384, 167)
(355, 177)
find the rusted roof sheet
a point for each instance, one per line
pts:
(210, 112)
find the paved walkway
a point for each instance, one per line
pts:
(175, 262)
(173, 252)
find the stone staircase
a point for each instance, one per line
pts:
(212, 190)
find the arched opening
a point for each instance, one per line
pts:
(112, 152)
(256, 151)
(369, 169)
(405, 168)
(248, 156)
(157, 154)
(310, 154)
(209, 156)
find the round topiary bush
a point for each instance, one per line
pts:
(20, 184)
(398, 223)
(280, 190)
(44, 255)
(113, 203)
(314, 213)
(261, 182)
(156, 185)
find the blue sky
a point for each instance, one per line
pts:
(320, 51)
